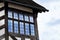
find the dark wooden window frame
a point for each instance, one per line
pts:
(24, 13)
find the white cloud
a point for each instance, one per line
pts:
(47, 32)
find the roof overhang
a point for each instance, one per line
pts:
(42, 9)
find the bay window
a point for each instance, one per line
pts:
(20, 23)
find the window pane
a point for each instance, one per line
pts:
(27, 28)
(32, 29)
(15, 26)
(9, 14)
(26, 18)
(20, 16)
(10, 28)
(21, 28)
(31, 19)
(15, 15)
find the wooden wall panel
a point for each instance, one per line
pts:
(20, 7)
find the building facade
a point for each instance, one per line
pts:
(18, 19)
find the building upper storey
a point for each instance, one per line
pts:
(27, 3)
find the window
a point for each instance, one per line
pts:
(26, 18)
(10, 28)
(27, 28)
(32, 29)
(20, 16)
(15, 15)
(25, 22)
(10, 14)
(31, 18)
(21, 28)
(15, 26)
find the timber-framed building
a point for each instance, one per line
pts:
(18, 19)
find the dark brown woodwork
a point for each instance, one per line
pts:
(1, 27)
(3, 36)
(2, 17)
(6, 21)
(2, 8)
(13, 37)
(35, 12)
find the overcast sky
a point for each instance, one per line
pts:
(49, 22)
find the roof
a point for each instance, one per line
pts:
(29, 3)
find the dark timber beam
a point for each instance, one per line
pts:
(13, 37)
(1, 27)
(3, 36)
(2, 17)
(1, 8)
(6, 20)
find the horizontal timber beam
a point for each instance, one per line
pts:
(1, 27)
(13, 37)
(1, 8)
(2, 17)
(3, 36)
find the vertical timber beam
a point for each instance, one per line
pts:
(35, 13)
(6, 21)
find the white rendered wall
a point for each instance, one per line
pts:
(3, 39)
(1, 5)
(18, 38)
(2, 31)
(2, 13)
(2, 22)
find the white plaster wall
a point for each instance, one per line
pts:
(2, 22)
(27, 38)
(18, 38)
(1, 5)
(3, 39)
(2, 13)
(10, 38)
(2, 31)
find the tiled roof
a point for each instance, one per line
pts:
(29, 3)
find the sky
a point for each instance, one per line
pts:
(49, 22)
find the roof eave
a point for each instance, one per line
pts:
(39, 9)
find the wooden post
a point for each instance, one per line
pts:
(6, 21)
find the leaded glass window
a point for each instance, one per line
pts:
(21, 17)
(16, 26)
(27, 28)
(10, 28)
(15, 15)
(10, 14)
(32, 29)
(21, 23)
(21, 28)
(26, 18)
(31, 18)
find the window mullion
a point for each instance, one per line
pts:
(18, 24)
(13, 20)
(29, 26)
(24, 25)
